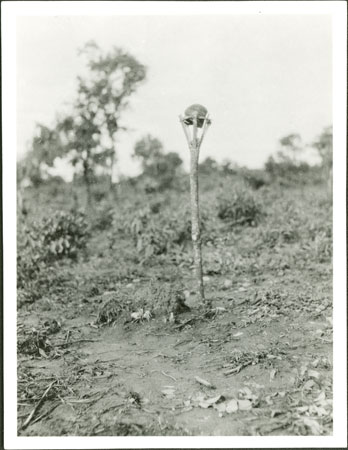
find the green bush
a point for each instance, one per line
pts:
(103, 218)
(40, 244)
(155, 229)
(280, 235)
(256, 178)
(62, 235)
(239, 207)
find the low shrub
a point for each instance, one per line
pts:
(256, 178)
(102, 218)
(40, 244)
(155, 229)
(62, 235)
(239, 207)
(280, 235)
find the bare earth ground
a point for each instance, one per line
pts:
(262, 355)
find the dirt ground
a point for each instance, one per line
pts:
(257, 364)
(95, 358)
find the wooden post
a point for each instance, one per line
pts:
(194, 146)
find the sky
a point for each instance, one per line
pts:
(261, 77)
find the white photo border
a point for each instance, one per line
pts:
(12, 10)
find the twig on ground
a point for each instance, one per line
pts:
(167, 375)
(37, 406)
(183, 324)
(45, 414)
(76, 342)
(110, 408)
(238, 368)
(85, 400)
(184, 341)
(204, 382)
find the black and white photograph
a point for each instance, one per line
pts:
(174, 224)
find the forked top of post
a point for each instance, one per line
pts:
(198, 112)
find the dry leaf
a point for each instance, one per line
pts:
(318, 410)
(315, 362)
(276, 412)
(232, 406)
(302, 409)
(42, 353)
(244, 405)
(147, 315)
(169, 392)
(313, 425)
(268, 400)
(272, 374)
(245, 392)
(321, 397)
(238, 334)
(221, 407)
(211, 401)
(329, 319)
(204, 382)
(308, 385)
(303, 370)
(313, 374)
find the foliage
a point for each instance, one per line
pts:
(239, 206)
(87, 136)
(155, 229)
(103, 217)
(45, 148)
(208, 166)
(40, 244)
(159, 168)
(255, 178)
(148, 150)
(291, 146)
(323, 144)
(62, 235)
(286, 171)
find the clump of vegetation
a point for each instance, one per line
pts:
(280, 235)
(62, 235)
(256, 179)
(35, 342)
(40, 244)
(155, 229)
(112, 307)
(162, 299)
(141, 302)
(239, 207)
(103, 218)
(160, 169)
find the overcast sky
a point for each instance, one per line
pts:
(261, 77)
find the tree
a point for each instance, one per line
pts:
(323, 145)
(161, 167)
(291, 146)
(45, 147)
(208, 166)
(148, 150)
(88, 134)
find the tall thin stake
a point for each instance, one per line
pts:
(194, 146)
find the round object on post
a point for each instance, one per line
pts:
(198, 111)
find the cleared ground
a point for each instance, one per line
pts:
(258, 363)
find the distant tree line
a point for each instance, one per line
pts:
(86, 136)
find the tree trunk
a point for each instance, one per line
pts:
(87, 183)
(112, 162)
